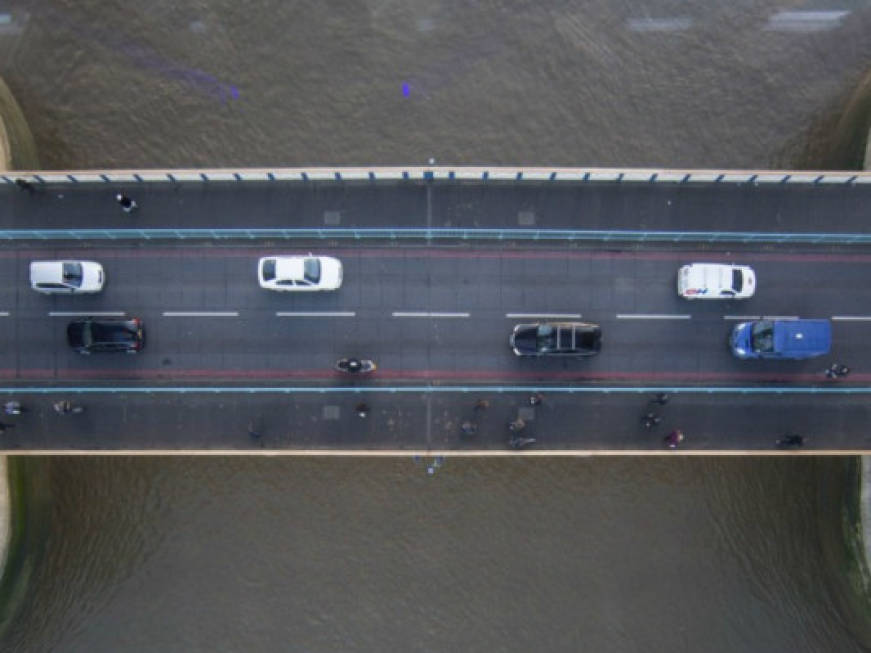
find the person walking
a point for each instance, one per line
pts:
(482, 404)
(661, 399)
(516, 442)
(362, 410)
(23, 184)
(535, 399)
(469, 428)
(650, 420)
(673, 439)
(127, 204)
(4, 426)
(790, 441)
(517, 425)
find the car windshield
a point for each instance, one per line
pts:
(72, 273)
(546, 338)
(737, 280)
(269, 269)
(763, 336)
(312, 270)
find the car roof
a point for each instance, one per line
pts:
(289, 267)
(46, 271)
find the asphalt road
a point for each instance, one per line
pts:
(429, 313)
(432, 316)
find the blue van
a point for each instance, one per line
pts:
(781, 339)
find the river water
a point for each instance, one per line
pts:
(231, 554)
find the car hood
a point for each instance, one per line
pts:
(331, 273)
(93, 276)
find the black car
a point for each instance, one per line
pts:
(556, 339)
(106, 334)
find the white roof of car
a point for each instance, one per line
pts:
(287, 267)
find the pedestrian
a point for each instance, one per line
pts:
(4, 426)
(126, 203)
(12, 408)
(660, 398)
(535, 399)
(482, 404)
(253, 431)
(650, 420)
(790, 440)
(362, 409)
(516, 442)
(673, 439)
(469, 428)
(23, 184)
(517, 425)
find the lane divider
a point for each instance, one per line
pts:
(201, 314)
(87, 313)
(315, 314)
(851, 318)
(544, 316)
(652, 316)
(425, 314)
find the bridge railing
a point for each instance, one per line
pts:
(444, 174)
(439, 234)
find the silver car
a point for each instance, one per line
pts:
(66, 277)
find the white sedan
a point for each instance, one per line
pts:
(715, 281)
(299, 273)
(66, 277)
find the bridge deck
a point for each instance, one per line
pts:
(234, 333)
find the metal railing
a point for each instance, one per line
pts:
(390, 233)
(441, 389)
(434, 173)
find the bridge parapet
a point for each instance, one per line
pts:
(443, 174)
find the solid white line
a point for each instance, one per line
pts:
(651, 316)
(740, 317)
(87, 314)
(780, 317)
(315, 314)
(852, 318)
(413, 314)
(202, 314)
(544, 315)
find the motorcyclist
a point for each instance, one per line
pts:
(12, 408)
(63, 407)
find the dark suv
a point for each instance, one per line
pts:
(106, 334)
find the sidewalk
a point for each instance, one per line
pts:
(419, 421)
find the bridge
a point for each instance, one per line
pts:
(440, 264)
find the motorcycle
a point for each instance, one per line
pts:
(13, 408)
(67, 408)
(355, 365)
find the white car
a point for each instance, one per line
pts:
(299, 273)
(715, 281)
(66, 277)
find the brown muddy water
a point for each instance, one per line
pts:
(181, 554)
